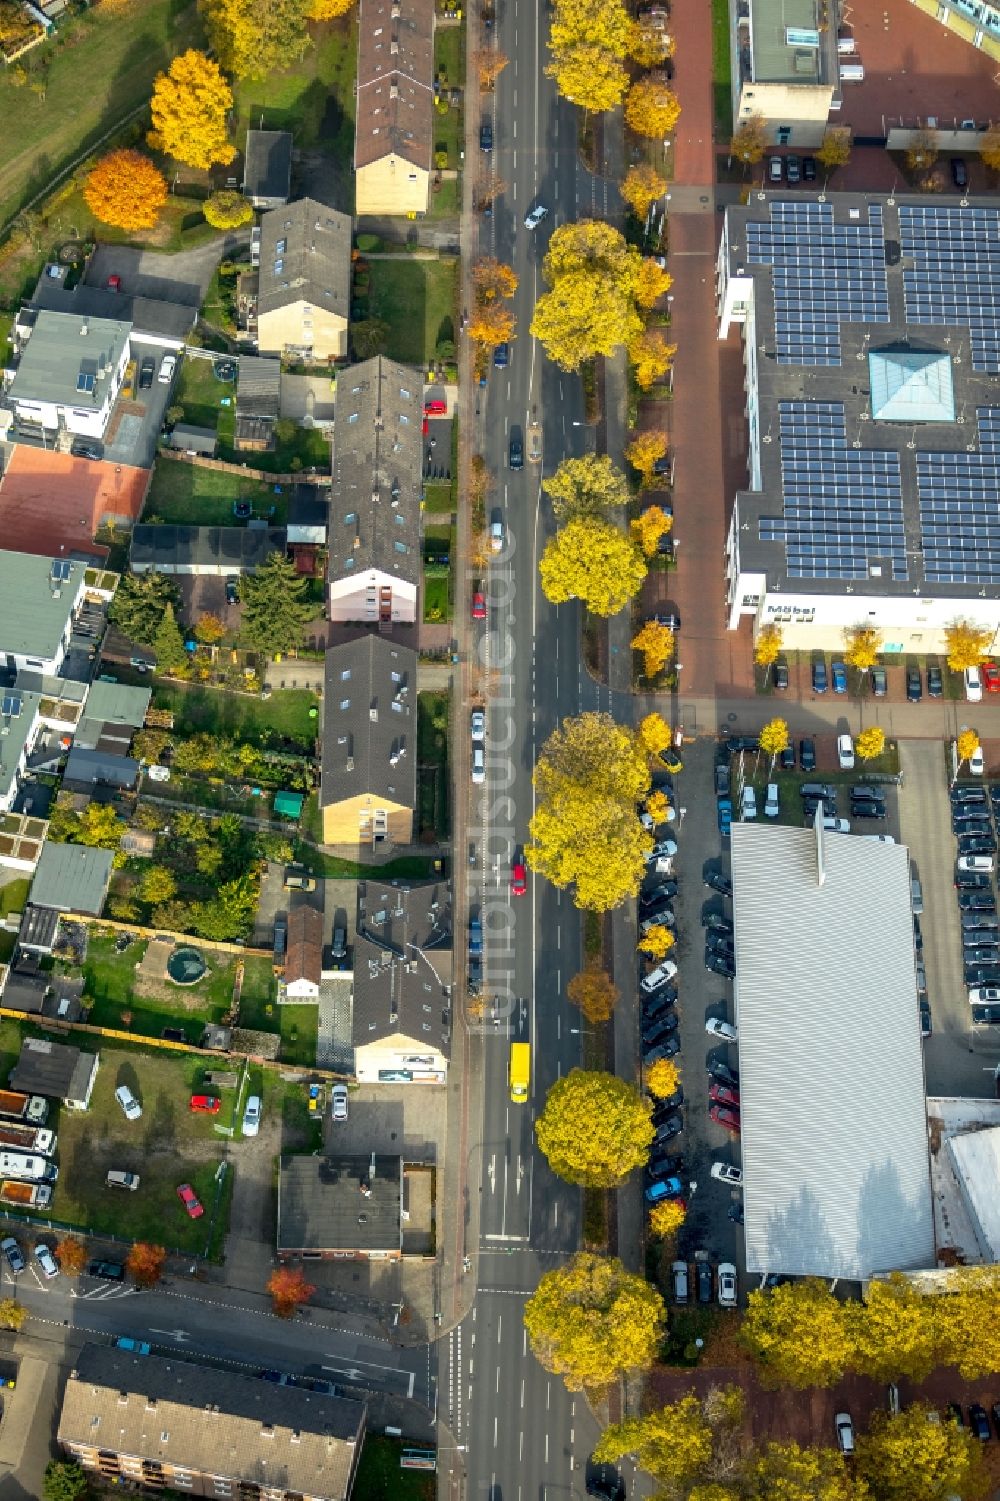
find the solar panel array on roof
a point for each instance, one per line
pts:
(824, 274)
(955, 275)
(843, 506)
(959, 495)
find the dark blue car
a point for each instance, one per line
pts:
(819, 676)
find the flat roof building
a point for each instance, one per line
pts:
(203, 550)
(871, 339)
(836, 1170)
(785, 69)
(339, 1206)
(72, 878)
(70, 372)
(39, 598)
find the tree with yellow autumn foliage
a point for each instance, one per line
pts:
(489, 63)
(870, 743)
(594, 992)
(663, 1078)
(656, 642)
(966, 745)
(490, 324)
(594, 562)
(590, 486)
(590, 1321)
(595, 1128)
(649, 527)
(328, 10)
(589, 41)
(228, 209)
(251, 40)
(644, 453)
(656, 942)
(652, 282)
(590, 309)
(125, 190)
(654, 734)
(651, 355)
(493, 279)
(666, 1218)
(749, 140)
(767, 647)
(966, 644)
(189, 109)
(641, 186)
(651, 107)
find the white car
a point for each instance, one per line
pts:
(845, 752)
(251, 1116)
(749, 803)
(46, 1260)
(658, 976)
(535, 216)
(727, 1285)
(128, 1102)
(679, 1272)
(725, 1031)
(879, 838)
(837, 825)
(167, 367)
(984, 995)
(724, 1172)
(982, 863)
(977, 763)
(973, 685)
(771, 805)
(338, 1102)
(845, 1432)
(478, 765)
(496, 531)
(478, 723)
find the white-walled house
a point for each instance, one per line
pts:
(69, 374)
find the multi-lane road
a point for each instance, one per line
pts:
(520, 1430)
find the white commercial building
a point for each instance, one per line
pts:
(836, 1172)
(871, 341)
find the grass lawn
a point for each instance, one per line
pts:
(722, 88)
(180, 226)
(272, 721)
(189, 495)
(418, 301)
(14, 894)
(260, 1012)
(110, 979)
(379, 1477)
(437, 497)
(299, 1027)
(98, 68)
(167, 1146)
(449, 69)
(789, 782)
(432, 762)
(314, 100)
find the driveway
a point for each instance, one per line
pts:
(183, 277)
(253, 1214)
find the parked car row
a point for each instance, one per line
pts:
(974, 808)
(706, 1282)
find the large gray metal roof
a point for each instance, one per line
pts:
(834, 1128)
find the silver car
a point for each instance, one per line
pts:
(251, 1116)
(127, 1100)
(338, 1102)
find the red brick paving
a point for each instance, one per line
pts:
(691, 24)
(914, 67)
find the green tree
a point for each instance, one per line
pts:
(787, 1472)
(591, 486)
(798, 1334)
(64, 1482)
(199, 753)
(228, 209)
(966, 644)
(592, 561)
(369, 337)
(595, 1128)
(148, 746)
(687, 1441)
(64, 820)
(157, 885)
(168, 643)
(251, 40)
(590, 1321)
(139, 603)
(275, 609)
(585, 832)
(100, 827)
(909, 1457)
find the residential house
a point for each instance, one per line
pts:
(69, 374)
(20, 731)
(304, 954)
(86, 770)
(403, 959)
(267, 168)
(152, 1420)
(53, 504)
(32, 991)
(304, 281)
(72, 878)
(394, 121)
(156, 321)
(368, 778)
(374, 564)
(785, 68)
(207, 551)
(258, 401)
(113, 713)
(37, 933)
(56, 1070)
(340, 1208)
(40, 599)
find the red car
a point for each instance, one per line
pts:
(205, 1104)
(478, 607)
(114, 283)
(519, 879)
(721, 1094)
(724, 1117)
(435, 406)
(190, 1200)
(991, 677)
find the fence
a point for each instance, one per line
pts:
(313, 476)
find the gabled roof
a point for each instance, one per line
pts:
(267, 169)
(370, 723)
(118, 703)
(305, 256)
(258, 387)
(177, 1412)
(403, 964)
(377, 471)
(395, 89)
(304, 952)
(88, 768)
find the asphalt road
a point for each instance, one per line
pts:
(520, 1429)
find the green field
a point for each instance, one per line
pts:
(110, 982)
(380, 1478)
(189, 495)
(418, 301)
(98, 68)
(281, 718)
